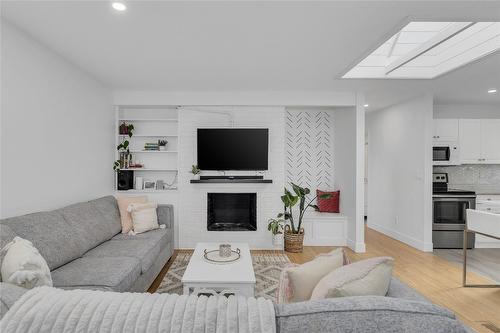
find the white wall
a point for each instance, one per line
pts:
(193, 197)
(349, 129)
(56, 129)
(477, 111)
(400, 171)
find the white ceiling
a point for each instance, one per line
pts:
(251, 46)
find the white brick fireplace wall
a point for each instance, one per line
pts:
(193, 197)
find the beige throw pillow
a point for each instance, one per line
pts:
(24, 266)
(126, 218)
(144, 217)
(305, 277)
(369, 277)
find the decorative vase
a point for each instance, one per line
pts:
(294, 242)
(278, 240)
(225, 250)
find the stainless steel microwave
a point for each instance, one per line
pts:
(445, 154)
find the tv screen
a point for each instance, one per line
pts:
(233, 148)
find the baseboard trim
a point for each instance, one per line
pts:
(418, 244)
(356, 247)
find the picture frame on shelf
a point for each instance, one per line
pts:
(149, 185)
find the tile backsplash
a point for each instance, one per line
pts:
(482, 178)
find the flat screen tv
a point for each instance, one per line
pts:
(233, 148)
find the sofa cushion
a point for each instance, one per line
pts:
(117, 274)
(90, 223)
(109, 210)
(56, 239)
(145, 250)
(9, 294)
(163, 236)
(365, 314)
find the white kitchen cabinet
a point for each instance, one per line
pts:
(445, 130)
(490, 204)
(479, 141)
(470, 141)
(490, 140)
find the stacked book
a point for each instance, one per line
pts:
(151, 146)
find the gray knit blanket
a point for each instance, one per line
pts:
(46, 309)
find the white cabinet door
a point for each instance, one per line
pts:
(490, 141)
(470, 141)
(445, 130)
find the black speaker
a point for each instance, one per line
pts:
(125, 180)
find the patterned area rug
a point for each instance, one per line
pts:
(267, 267)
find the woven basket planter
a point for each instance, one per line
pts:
(294, 242)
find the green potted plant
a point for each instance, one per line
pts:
(195, 171)
(162, 144)
(294, 233)
(275, 226)
(123, 149)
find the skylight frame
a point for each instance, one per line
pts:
(422, 60)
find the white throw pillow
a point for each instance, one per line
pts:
(370, 277)
(144, 217)
(305, 277)
(24, 266)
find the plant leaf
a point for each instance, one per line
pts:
(316, 208)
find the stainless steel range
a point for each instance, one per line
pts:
(449, 214)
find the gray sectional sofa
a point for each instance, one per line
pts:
(85, 249)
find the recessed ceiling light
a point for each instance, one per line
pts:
(492, 91)
(119, 6)
(366, 105)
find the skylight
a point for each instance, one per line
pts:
(425, 50)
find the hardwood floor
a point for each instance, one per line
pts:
(437, 279)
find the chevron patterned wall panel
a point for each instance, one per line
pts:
(309, 148)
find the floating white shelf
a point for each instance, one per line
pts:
(154, 151)
(148, 191)
(148, 136)
(173, 120)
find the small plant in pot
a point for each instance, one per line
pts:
(294, 233)
(195, 171)
(275, 226)
(124, 149)
(162, 144)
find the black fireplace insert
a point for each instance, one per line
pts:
(232, 212)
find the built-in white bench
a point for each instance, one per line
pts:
(325, 229)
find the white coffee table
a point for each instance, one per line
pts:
(202, 277)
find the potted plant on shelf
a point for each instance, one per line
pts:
(275, 226)
(294, 233)
(124, 150)
(162, 145)
(195, 171)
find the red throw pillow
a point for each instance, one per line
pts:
(330, 205)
